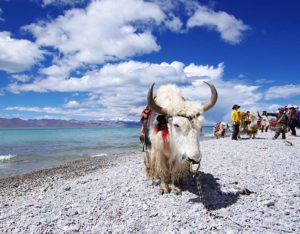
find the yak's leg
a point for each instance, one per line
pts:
(164, 187)
(175, 186)
(163, 173)
(153, 171)
(147, 163)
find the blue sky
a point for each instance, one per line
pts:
(97, 59)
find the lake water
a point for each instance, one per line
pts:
(25, 150)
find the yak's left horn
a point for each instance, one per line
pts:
(152, 104)
(213, 98)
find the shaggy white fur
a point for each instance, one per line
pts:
(169, 160)
(170, 98)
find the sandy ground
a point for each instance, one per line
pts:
(112, 195)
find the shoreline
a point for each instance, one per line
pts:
(68, 170)
(111, 194)
(14, 160)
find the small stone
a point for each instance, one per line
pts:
(269, 203)
(145, 207)
(68, 188)
(246, 191)
(154, 214)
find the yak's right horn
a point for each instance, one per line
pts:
(152, 104)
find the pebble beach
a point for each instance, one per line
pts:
(250, 186)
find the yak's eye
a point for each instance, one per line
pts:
(176, 125)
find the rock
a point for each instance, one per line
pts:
(245, 191)
(145, 207)
(154, 214)
(287, 212)
(68, 188)
(269, 203)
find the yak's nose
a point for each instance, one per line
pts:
(194, 159)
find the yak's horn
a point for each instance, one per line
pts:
(152, 104)
(258, 114)
(213, 98)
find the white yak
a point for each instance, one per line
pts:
(174, 135)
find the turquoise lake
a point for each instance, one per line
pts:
(25, 150)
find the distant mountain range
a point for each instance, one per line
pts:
(59, 123)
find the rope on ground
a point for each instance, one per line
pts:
(288, 143)
(200, 189)
(202, 197)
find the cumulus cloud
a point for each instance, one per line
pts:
(284, 91)
(230, 28)
(17, 55)
(72, 104)
(120, 90)
(21, 77)
(117, 90)
(204, 71)
(125, 74)
(109, 31)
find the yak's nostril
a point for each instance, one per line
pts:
(193, 161)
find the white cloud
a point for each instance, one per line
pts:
(17, 55)
(120, 90)
(174, 23)
(230, 28)
(263, 81)
(109, 31)
(273, 107)
(284, 91)
(21, 77)
(204, 71)
(72, 104)
(82, 112)
(131, 73)
(116, 90)
(117, 30)
(61, 2)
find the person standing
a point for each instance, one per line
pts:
(298, 116)
(144, 133)
(292, 120)
(282, 122)
(235, 118)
